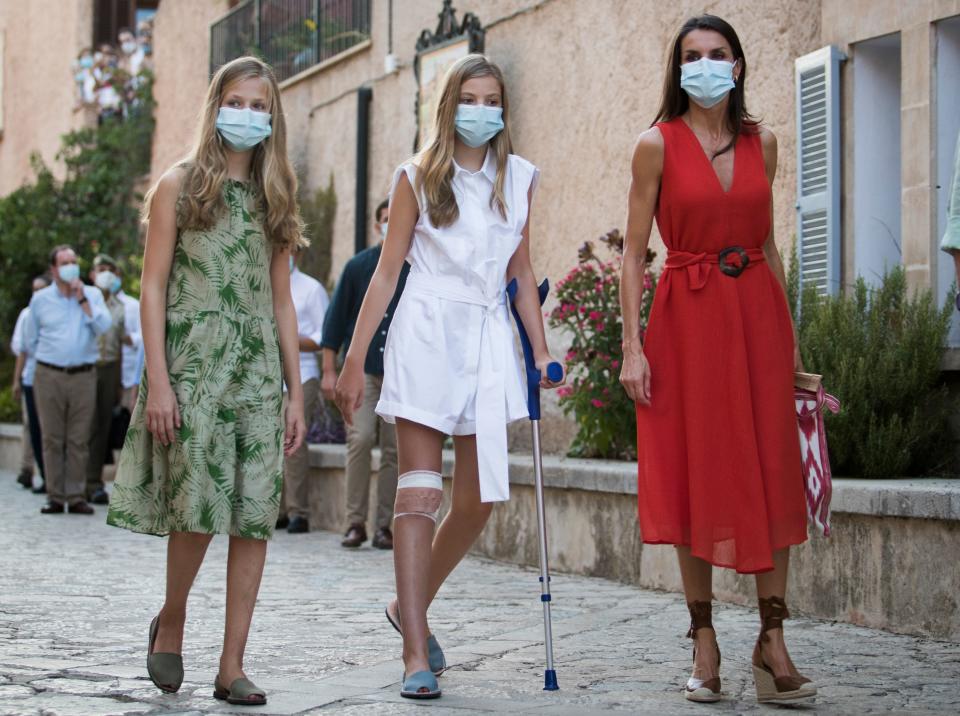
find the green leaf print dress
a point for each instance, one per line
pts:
(223, 473)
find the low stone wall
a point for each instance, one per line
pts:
(891, 562)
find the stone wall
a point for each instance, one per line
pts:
(42, 39)
(890, 562)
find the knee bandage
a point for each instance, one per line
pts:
(419, 494)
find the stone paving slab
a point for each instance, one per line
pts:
(76, 598)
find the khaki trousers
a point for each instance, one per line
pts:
(361, 437)
(26, 449)
(108, 386)
(65, 405)
(296, 468)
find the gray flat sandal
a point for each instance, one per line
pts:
(242, 692)
(435, 657)
(165, 670)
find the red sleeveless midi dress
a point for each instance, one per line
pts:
(718, 448)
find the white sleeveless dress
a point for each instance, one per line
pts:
(450, 360)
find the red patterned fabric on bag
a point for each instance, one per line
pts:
(813, 452)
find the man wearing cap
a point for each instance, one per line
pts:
(104, 276)
(65, 320)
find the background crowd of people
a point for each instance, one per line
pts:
(79, 356)
(106, 78)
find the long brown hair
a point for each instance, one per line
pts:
(435, 160)
(272, 177)
(675, 102)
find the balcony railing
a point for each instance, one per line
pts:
(291, 35)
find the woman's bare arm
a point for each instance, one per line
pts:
(163, 414)
(528, 301)
(404, 213)
(286, 317)
(646, 170)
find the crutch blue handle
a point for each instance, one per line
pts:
(554, 370)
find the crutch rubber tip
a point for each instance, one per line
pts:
(550, 680)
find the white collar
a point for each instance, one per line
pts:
(489, 168)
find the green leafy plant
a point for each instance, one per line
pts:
(318, 208)
(879, 350)
(9, 408)
(94, 208)
(588, 308)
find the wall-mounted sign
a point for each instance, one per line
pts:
(436, 52)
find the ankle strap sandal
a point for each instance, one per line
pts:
(704, 691)
(771, 688)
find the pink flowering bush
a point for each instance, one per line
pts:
(588, 309)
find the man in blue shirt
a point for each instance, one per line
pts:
(65, 320)
(362, 435)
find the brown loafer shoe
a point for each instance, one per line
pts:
(52, 508)
(80, 508)
(355, 536)
(383, 539)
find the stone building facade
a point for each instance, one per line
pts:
(36, 93)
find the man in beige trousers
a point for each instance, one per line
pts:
(362, 435)
(65, 320)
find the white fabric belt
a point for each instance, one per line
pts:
(496, 340)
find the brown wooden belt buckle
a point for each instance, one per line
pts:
(735, 268)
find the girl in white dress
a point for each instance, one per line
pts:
(459, 214)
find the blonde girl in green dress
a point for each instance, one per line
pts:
(204, 453)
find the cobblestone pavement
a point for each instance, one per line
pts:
(76, 598)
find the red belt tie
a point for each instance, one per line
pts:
(731, 261)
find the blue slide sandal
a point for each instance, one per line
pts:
(421, 685)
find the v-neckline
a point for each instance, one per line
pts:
(713, 171)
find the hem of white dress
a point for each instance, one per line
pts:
(390, 411)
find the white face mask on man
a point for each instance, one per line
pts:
(104, 281)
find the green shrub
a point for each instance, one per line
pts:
(95, 208)
(879, 351)
(9, 408)
(318, 209)
(588, 308)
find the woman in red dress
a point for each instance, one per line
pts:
(719, 454)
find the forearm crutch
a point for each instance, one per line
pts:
(554, 373)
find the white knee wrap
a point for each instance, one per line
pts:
(419, 494)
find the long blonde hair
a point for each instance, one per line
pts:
(435, 160)
(272, 177)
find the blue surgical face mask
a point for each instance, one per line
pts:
(477, 124)
(243, 129)
(707, 81)
(292, 264)
(69, 273)
(117, 285)
(86, 62)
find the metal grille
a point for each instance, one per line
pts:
(291, 35)
(813, 248)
